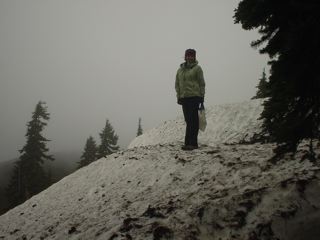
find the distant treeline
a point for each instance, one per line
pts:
(31, 173)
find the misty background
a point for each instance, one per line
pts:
(114, 59)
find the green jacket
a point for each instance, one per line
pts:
(190, 81)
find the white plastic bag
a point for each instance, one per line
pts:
(202, 120)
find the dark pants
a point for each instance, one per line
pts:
(190, 107)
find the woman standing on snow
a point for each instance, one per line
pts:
(190, 88)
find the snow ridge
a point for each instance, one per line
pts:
(228, 123)
(155, 192)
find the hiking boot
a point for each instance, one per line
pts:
(189, 147)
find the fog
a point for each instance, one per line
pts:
(114, 59)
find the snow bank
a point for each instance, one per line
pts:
(229, 123)
(219, 192)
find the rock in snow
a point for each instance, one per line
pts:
(156, 191)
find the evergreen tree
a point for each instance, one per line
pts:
(90, 153)
(140, 131)
(263, 87)
(291, 35)
(29, 177)
(108, 141)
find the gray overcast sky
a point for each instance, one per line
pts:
(96, 59)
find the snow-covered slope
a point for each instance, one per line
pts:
(229, 123)
(219, 192)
